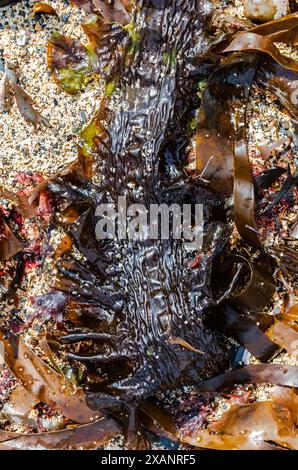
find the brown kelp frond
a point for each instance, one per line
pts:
(245, 330)
(251, 42)
(40, 8)
(285, 336)
(43, 382)
(221, 147)
(110, 35)
(282, 83)
(10, 245)
(116, 12)
(277, 374)
(87, 437)
(249, 427)
(23, 101)
(284, 29)
(286, 257)
(72, 64)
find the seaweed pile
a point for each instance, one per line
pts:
(149, 316)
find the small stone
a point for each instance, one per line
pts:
(22, 40)
(64, 17)
(260, 10)
(83, 117)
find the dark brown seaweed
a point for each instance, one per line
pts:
(43, 382)
(252, 42)
(284, 29)
(249, 427)
(245, 330)
(87, 437)
(40, 8)
(9, 244)
(278, 374)
(285, 336)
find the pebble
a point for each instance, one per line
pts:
(268, 10)
(21, 40)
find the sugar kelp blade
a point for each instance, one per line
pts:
(285, 336)
(43, 382)
(250, 427)
(221, 143)
(216, 128)
(86, 437)
(278, 374)
(284, 29)
(10, 245)
(251, 42)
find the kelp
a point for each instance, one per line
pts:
(221, 146)
(71, 63)
(24, 102)
(277, 374)
(117, 12)
(284, 29)
(290, 183)
(285, 336)
(286, 257)
(10, 245)
(283, 83)
(139, 114)
(245, 330)
(126, 336)
(87, 437)
(251, 42)
(19, 405)
(247, 284)
(43, 382)
(40, 8)
(268, 177)
(249, 427)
